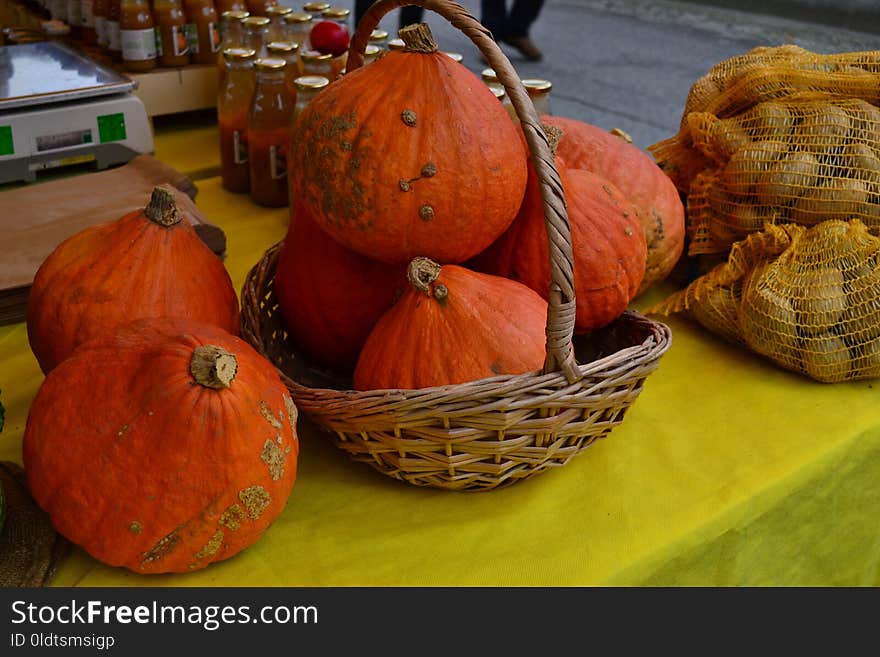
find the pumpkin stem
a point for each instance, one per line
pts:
(421, 273)
(554, 134)
(213, 366)
(162, 209)
(418, 38)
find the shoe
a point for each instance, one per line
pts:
(526, 47)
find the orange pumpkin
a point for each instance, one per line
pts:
(608, 245)
(163, 446)
(148, 263)
(633, 172)
(410, 156)
(330, 297)
(453, 325)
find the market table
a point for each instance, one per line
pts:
(726, 471)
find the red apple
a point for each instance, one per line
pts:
(329, 37)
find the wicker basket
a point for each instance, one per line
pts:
(492, 432)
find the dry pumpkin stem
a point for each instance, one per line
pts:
(418, 38)
(162, 208)
(421, 272)
(213, 366)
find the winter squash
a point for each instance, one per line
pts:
(654, 195)
(453, 325)
(410, 156)
(608, 245)
(148, 263)
(330, 297)
(162, 446)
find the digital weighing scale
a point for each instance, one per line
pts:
(58, 107)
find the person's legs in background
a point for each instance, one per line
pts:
(407, 15)
(513, 28)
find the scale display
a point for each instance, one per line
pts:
(49, 72)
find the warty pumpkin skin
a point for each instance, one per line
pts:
(148, 263)
(158, 454)
(453, 325)
(330, 297)
(410, 156)
(608, 246)
(633, 172)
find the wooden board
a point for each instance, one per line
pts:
(34, 219)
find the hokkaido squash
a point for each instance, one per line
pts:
(608, 245)
(148, 263)
(162, 446)
(410, 156)
(453, 325)
(330, 297)
(633, 172)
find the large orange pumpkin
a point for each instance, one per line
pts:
(608, 245)
(148, 263)
(330, 297)
(633, 172)
(410, 156)
(163, 446)
(453, 325)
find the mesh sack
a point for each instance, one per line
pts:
(806, 298)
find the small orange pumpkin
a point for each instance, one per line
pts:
(409, 156)
(453, 325)
(330, 297)
(163, 446)
(633, 172)
(148, 263)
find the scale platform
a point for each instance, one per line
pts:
(58, 108)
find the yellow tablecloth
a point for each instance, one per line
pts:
(726, 471)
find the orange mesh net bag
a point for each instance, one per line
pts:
(806, 298)
(777, 135)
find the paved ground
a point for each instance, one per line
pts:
(630, 63)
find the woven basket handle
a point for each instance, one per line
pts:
(561, 306)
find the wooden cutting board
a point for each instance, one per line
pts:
(35, 218)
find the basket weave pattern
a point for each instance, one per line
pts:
(493, 432)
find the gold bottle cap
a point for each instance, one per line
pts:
(371, 50)
(282, 47)
(497, 89)
(298, 17)
(536, 87)
(233, 15)
(336, 13)
(396, 44)
(489, 75)
(311, 82)
(315, 56)
(255, 22)
(316, 7)
(378, 35)
(270, 64)
(457, 56)
(278, 10)
(238, 54)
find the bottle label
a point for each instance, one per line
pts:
(214, 37)
(158, 37)
(74, 13)
(114, 42)
(277, 162)
(88, 16)
(101, 30)
(239, 147)
(192, 37)
(179, 41)
(138, 45)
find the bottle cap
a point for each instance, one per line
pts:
(497, 89)
(298, 17)
(282, 47)
(336, 13)
(255, 22)
(455, 55)
(378, 35)
(311, 82)
(489, 75)
(270, 64)
(316, 7)
(238, 54)
(278, 10)
(536, 87)
(396, 44)
(315, 56)
(233, 15)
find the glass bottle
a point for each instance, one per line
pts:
(74, 18)
(203, 15)
(539, 93)
(99, 11)
(269, 134)
(315, 8)
(396, 44)
(372, 52)
(307, 87)
(339, 15)
(259, 7)
(289, 52)
(298, 26)
(137, 35)
(87, 21)
(277, 26)
(501, 94)
(254, 31)
(111, 28)
(233, 102)
(378, 37)
(223, 6)
(316, 63)
(171, 24)
(489, 76)
(232, 37)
